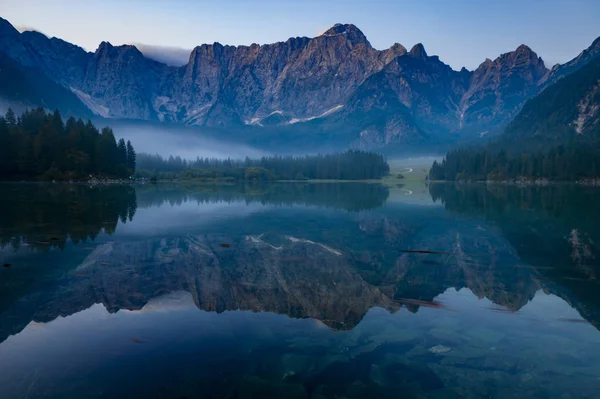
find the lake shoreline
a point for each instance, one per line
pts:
(202, 181)
(523, 183)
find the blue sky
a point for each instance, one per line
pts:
(461, 32)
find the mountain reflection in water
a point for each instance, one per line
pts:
(313, 290)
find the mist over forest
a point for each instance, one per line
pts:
(188, 143)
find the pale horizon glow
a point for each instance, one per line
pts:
(460, 32)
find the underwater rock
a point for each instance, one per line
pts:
(438, 349)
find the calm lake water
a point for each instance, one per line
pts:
(299, 291)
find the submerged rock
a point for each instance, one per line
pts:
(438, 349)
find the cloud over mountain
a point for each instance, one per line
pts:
(173, 56)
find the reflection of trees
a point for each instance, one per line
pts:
(43, 216)
(566, 202)
(556, 219)
(372, 244)
(348, 196)
(261, 268)
(303, 276)
(554, 229)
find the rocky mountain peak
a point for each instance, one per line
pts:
(418, 51)
(131, 49)
(296, 81)
(593, 50)
(522, 62)
(503, 85)
(353, 34)
(339, 29)
(585, 57)
(208, 50)
(397, 49)
(34, 35)
(523, 48)
(521, 57)
(104, 46)
(6, 29)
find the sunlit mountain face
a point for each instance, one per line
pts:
(299, 94)
(301, 290)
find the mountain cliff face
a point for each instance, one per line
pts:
(337, 78)
(121, 82)
(61, 61)
(498, 88)
(566, 112)
(412, 96)
(584, 58)
(299, 78)
(26, 87)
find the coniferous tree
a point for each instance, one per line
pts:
(10, 118)
(543, 141)
(39, 145)
(350, 165)
(6, 150)
(131, 157)
(563, 163)
(122, 156)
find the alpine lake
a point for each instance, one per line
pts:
(299, 290)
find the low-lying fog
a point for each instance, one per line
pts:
(187, 143)
(192, 142)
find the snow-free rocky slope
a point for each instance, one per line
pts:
(336, 81)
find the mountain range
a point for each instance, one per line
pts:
(335, 84)
(567, 111)
(555, 136)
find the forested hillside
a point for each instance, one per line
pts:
(349, 165)
(565, 163)
(31, 87)
(40, 146)
(565, 112)
(555, 136)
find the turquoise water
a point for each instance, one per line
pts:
(299, 291)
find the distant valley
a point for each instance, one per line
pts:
(332, 91)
